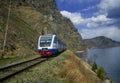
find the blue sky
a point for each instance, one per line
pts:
(93, 17)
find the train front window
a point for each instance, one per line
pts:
(45, 41)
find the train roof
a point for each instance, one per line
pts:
(47, 35)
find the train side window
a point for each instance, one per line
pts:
(55, 40)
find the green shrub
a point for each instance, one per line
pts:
(101, 73)
(94, 67)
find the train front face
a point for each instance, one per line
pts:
(45, 46)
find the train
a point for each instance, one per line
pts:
(49, 45)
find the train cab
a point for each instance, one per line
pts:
(49, 45)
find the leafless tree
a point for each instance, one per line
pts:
(6, 30)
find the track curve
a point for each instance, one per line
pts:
(11, 70)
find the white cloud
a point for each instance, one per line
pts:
(92, 22)
(89, 8)
(99, 20)
(76, 18)
(110, 32)
(110, 7)
(109, 4)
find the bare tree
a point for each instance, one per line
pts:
(6, 31)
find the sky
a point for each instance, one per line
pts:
(93, 18)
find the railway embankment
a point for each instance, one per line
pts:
(64, 68)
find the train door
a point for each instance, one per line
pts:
(55, 43)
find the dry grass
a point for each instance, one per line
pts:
(28, 14)
(77, 71)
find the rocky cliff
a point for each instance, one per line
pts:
(31, 18)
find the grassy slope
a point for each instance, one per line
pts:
(12, 60)
(77, 71)
(20, 36)
(65, 68)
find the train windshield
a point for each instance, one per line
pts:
(45, 41)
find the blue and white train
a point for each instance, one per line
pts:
(49, 45)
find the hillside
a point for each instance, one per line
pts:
(28, 20)
(101, 42)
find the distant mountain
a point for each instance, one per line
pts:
(101, 42)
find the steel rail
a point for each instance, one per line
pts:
(10, 71)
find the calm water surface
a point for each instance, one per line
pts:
(109, 59)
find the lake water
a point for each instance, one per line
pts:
(109, 59)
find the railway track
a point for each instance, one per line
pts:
(11, 70)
